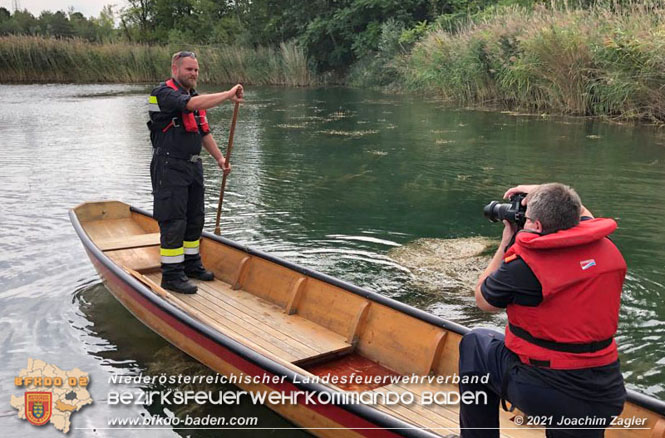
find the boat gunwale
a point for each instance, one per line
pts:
(369, 413)
(639, 399)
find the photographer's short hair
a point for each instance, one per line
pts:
(556, 206)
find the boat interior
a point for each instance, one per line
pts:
(305, 323)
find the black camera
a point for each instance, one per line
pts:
(513, 212)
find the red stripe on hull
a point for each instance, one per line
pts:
(335, 413)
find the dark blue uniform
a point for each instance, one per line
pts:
(177, 181)
(561, 399)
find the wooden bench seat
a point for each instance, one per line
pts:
(261, 324)
(128, 242)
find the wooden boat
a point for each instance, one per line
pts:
(265, 316)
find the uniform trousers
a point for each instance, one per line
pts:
(482, 352)
(178, 207)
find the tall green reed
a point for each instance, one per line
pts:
(605, 60)
(35, 59)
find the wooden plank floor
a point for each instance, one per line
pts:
(444, 419)
(244, 316)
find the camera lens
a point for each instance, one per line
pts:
(490, 211)
(496, 211)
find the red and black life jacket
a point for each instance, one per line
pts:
(582, 274)
(187, 119)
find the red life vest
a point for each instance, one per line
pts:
(582, 274)
(189, 119)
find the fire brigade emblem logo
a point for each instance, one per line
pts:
(49, 394)
(38, 407)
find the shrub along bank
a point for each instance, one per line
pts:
(607, 59)
(602, 60)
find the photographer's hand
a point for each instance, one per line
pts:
(522, 188)
(509, 230)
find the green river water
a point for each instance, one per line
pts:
(331, 179)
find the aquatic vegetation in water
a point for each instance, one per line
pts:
(351, 176)
(307, 118)
(445, 265)
(442, 141)
(348, 133)
(378, 102)
(339, 115)
(292, 126)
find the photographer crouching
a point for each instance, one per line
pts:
(559, 277)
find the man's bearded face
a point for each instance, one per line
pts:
(186, 72)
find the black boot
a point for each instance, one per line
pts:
(174, 279)
(180, 286)
(194, 269)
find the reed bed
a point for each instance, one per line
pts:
(36, 59)
(606, 60)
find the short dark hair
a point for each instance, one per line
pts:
(556, 206)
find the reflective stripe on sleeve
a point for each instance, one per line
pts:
(192, 246)
(172, 255)
(153, 105)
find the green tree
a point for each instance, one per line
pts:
(137, 20)
(351, 29)
(105, 24)
(23, 23)
(55, 24)
(82, 27)
(4, 15)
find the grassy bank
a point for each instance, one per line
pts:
(35, 59)
(606, 60)
(599, 61)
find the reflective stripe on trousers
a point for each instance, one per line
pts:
(172, 255)
(192, 246)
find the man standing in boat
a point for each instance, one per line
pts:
(560, 280)
(178, 129)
